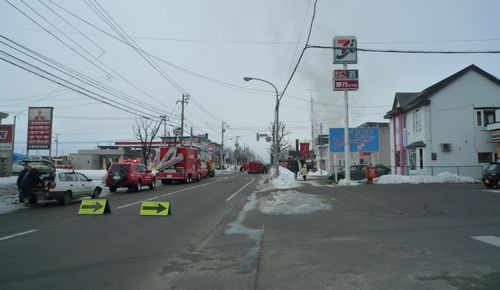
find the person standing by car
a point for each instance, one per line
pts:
(20, 177)
(29, 180)
(304, 171)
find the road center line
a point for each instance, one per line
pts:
(492, 240)
(170, 193)
(17, 235)
(234, 194)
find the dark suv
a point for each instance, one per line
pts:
(491, 176)
(130, 175)
(358, 172)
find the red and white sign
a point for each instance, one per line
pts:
(40, 128)
(345, 50)
(345, 80)
(345, 85)
(304, 150)
(6, 137)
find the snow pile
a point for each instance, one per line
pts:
(444, 177)
(8, 183)
(291, 202)
(318, 173)
(344, 182)
(285, 180)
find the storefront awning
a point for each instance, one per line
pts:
(416, 144)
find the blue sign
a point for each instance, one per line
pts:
(360, 140)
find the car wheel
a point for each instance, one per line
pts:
(497, 183)
(66, 198)
(112, 188)
(96, 193)
(138, 186)
(153, 184)
(199, 177)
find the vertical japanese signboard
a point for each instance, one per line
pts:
(304, 150)
(40, 128)
(345, 50)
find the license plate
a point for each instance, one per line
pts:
(486, 181)
(116, 177)
(169, 175)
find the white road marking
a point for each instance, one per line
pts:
(491, 190)
(17, 235)
(234, 194)
(171, 193)
(492, 240)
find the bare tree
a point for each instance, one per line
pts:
(145, 130)
(283, 142)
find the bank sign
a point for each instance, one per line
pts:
(6, 137)
(360, 140)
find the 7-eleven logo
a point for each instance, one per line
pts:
(345, 50)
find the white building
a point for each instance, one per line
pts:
(443, 127)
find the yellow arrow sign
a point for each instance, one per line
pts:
(155, 208)
(94, 206)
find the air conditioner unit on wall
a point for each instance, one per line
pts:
(445, 147)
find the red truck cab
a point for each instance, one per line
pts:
(179, 164)
(255, 167)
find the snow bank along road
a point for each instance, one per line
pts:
(240, 232)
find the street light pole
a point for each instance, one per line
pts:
(275, 126)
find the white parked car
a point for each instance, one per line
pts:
(72, 184)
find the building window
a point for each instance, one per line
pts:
(485, 117)
(417, 121)
(484, 157)
(421, 158)
(413, 159)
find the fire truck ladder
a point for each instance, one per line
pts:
(168, 161)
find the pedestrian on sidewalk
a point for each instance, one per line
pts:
(304, 170)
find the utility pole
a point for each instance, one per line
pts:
(185, 100)
(191, 138)
(222, 147)
(321, 148)
(57, 144)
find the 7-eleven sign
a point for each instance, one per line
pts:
(345, 50)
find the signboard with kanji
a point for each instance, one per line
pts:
(40, 128)
(345, 50)
(345, 80)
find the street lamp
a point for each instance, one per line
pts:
(275, 126)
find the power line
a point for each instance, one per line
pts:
(45, 75)
(71, 73)
(413, 51)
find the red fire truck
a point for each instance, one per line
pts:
(254, 167)
(178, 164)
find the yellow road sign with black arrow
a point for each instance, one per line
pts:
(155, 208)
(94, 206)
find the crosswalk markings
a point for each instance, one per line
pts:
(492, 240)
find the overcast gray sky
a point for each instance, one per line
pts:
(205, 48)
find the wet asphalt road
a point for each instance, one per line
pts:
(439, 236)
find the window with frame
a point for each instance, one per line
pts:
(485, 117)
(417, 121)
(484, 157)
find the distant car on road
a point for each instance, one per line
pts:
(130, 175)
(491, 176)
(358, 172)
(71, 184)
